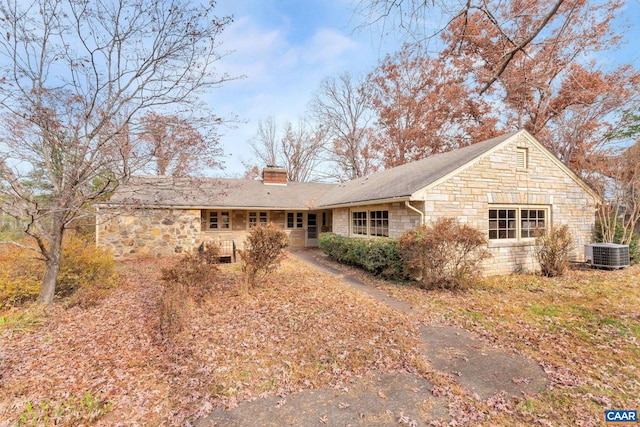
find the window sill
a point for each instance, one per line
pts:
(507, 243)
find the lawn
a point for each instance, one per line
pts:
(582, 328)
(110, 362)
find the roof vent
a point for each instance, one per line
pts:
(274, 175)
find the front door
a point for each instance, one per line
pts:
(312, 229)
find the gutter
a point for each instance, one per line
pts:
(407, 203)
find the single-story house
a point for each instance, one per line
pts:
(505, 186)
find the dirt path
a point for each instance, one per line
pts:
(390, 399)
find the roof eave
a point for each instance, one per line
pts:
(367, 202)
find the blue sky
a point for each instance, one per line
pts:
(285, 48)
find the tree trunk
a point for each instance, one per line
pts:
(52, 268)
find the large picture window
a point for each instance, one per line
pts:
(517, 222)
(219, 220)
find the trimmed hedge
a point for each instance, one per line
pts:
(379, 256)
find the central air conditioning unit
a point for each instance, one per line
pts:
(607, 255)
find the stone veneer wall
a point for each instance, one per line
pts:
(496, 181)
(401, 219)
(149, 231)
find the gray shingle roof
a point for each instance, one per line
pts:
(395, 183)
(402, 181)
(217, 192)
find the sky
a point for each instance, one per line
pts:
(284, 48)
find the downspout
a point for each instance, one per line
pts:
(407, 203)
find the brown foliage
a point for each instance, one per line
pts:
(446, 254)
(185, 284)
(569, 104)
(306, 330)
(263, 252)
(176, 146)
(617, 181)
(424, 107)
(553, 248)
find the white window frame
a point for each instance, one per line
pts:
(258, 215)
(379, 224)
(297, 218)
(363, 223)
(518, 218)
(367, 224)
(219, 215)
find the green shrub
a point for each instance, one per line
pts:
(263, 251)
(552, 251)
(446, 254)
(634, 246)
(85, 269)
(379, 256)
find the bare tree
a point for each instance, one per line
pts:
(76, 75)
(341, 105)
(298, 148)
(176, 147)
(265, 145)
(618, 183)
(414, 16)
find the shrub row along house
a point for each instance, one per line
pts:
(506, 187)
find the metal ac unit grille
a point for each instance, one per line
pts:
(609, 255)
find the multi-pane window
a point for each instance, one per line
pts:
(295, 219)
(502, 224)
(370, 223)
(516, 223)
(359, 223)
(256, 218)
(379, 223)
(219, 220)
(531, 221)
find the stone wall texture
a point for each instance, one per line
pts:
(496, 181)
(149, 231)
(170, 231)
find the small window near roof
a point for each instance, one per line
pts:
(521, 158)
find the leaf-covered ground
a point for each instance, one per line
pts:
(110, 364)
(583, 329)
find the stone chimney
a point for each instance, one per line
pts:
(274, 175)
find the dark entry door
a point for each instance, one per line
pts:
(312, 229)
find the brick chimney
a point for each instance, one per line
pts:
(274, 175)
